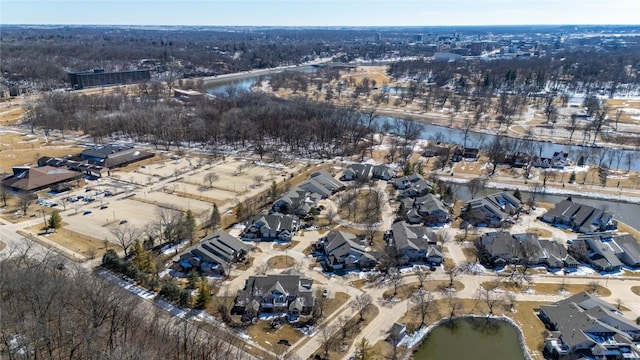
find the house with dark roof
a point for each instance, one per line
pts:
(342, 251)
(426, 209)
(580, 218)
(367, 171)
(287, 293)
(113, 156)
(501, 247)
(296, 201)
(606, 252)
(29, 179)
(585, 327)
(412, 186)
(493, 210)
(214, 255)
(271, 227)
(465, 153)
(322, 184)
(414, 243)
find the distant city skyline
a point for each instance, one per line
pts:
(321, 12)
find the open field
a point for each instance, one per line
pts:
(265, 336)
(172, 201)
(88, 246)
(25, 149)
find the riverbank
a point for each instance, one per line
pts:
(212, 80)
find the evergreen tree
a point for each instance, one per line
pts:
(55, 221)
(204, 295)
(273, 191)
(517, 195)
(193, 279)
(188, 226)
(364, 350)
(572, 177)
(214, 220)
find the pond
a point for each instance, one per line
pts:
(245, 82)
(476, 338)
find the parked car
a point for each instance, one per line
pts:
(102, 207)
(87, 212)
(124, 221)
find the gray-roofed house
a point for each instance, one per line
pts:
(272, 227)
(606, 252)
(342, 251)
(367, 171)
(501, 247)
(426, 209)
(580, 218)
(322, 183)
(585, 327)
(287, 293)
(214, 255)
(492, 210)
(296, 201)
(415, 243)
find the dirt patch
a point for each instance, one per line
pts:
(2, 245)
(245, 265)
(286, 246)
(281, 262)
(542, 233)
(636, 290)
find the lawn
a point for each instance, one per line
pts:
(361, 209)
(82, 244)
(636, 290)
(281, 262)
(550, 289)
(406, 290)
(265, 336)
(343, 344)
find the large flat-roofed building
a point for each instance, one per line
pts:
(98, 77)
(112, 156)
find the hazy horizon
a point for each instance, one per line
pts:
(320, 13)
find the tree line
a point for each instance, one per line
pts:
(49, 311)
(263, 123)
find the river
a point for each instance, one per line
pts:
(471, 338)
(625, 212)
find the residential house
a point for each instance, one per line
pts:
(436, 150)
(559, 160)
(465, 153)
(580, 218)
(606, 252)
(287, 293)
(412, 186)
(214, 255)
(501, 248)
(426, 209)
(585, 327)
(414, 243)
(368, 171)
(342, 251)
(272, 227)
(493, 210)
(296, 201)
(322, 183)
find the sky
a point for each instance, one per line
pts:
(319, 12)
